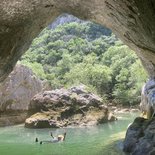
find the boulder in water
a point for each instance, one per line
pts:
(65, 107)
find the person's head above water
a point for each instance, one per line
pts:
(62, 137)
(59, 137)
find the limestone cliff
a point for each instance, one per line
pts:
(19, 87)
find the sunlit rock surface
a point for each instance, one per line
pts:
(62, 107)
(22, 20)
(147, 105)
(18, 89)
(140, 136)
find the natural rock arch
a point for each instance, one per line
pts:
(21, 20)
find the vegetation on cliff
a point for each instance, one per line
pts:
(78, 52)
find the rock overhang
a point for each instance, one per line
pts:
(22, 20)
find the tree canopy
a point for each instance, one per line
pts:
(86, 53)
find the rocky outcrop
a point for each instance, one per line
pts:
(12, 117)
(15, 94)
(22, 20)
(147, 105)
(61, 107)
(19, 87)
(64, 19)
(140, 137)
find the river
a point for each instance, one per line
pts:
(103, 139)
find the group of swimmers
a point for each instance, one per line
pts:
(59, 138)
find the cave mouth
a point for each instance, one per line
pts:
(132, 21)
(64, 48)
(90, 57)
(71, 52)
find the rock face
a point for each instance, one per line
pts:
(19, 87)
(147, 104)
(22, 20)
(63, 19)
(61, 107)
(140, 137)
(12, 118)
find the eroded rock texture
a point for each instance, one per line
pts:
(22, 20)
(18, 89)
(67, 107)
(147, 105)
(15, 94)
(140, 137)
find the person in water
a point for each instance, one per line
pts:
(59, 138)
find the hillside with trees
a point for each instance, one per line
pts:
(71, 52)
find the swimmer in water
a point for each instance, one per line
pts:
(59, 138)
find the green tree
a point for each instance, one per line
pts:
(87, 53)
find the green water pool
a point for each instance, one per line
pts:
(104, 139)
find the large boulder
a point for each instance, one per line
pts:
(19, 87)
(140, 137)
(62, 107)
